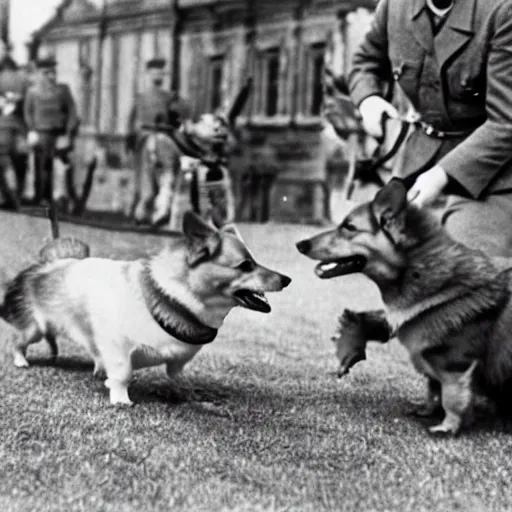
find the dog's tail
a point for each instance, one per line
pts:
(17, 307)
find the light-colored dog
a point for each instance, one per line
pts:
(134, 314)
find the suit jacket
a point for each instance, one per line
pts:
(459, 79)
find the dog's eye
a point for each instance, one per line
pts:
(348, 226)
(246, 266)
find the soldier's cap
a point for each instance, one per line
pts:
(156, 63)
(46, 63)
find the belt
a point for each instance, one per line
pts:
(427, 128)
(433, 132)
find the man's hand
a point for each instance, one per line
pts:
(372, 110)
(32, 138)
(428, 187)
(63, 142)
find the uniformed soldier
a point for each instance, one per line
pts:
(155, 160)
(155, 102)
(452, 60)
(52, 121)
(13, 151)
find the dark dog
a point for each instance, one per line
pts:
(449, 305)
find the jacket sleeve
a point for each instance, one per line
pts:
(28, 110)
(371, 67)
(478, 160)
(70, 106)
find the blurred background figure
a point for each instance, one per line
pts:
(124, 74)
(52, 122)
(155, 158)
(13, 151)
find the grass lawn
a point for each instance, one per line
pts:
(256, 422)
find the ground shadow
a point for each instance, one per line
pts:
(66, 363)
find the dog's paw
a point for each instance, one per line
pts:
(20, 361)
(350, 342)
(120, 398)
(122, 403)
(118, 393)
(348, 360)
(449, 427)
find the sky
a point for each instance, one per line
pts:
(27, 16)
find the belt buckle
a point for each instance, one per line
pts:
(429, 129)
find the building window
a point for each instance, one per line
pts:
(314, 86)
(270, 76)
(86, 82)
(215, 82)
(267, 77)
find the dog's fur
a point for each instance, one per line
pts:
(134, 314)
(449, 305)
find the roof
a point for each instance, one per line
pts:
(70, 11)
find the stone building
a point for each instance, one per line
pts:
(212, 46)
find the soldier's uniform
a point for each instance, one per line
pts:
(156, 160)
(13, 151)
(456, 72)
(50, 112)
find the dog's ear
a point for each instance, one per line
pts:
(203, 239)
(232, 230)
(389, 207)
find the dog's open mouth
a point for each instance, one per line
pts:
(340, 267)
(252, 300)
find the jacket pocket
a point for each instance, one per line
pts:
(465, 86)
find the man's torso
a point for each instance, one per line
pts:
(151, 104)
(50, 107)
(444, 75)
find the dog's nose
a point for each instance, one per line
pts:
(304, 246)
(285, 280)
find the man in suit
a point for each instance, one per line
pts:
(52, 122)
(453, 60)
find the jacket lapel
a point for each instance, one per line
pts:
(420, 24)
(456, 32)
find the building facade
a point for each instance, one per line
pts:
(212, 46)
